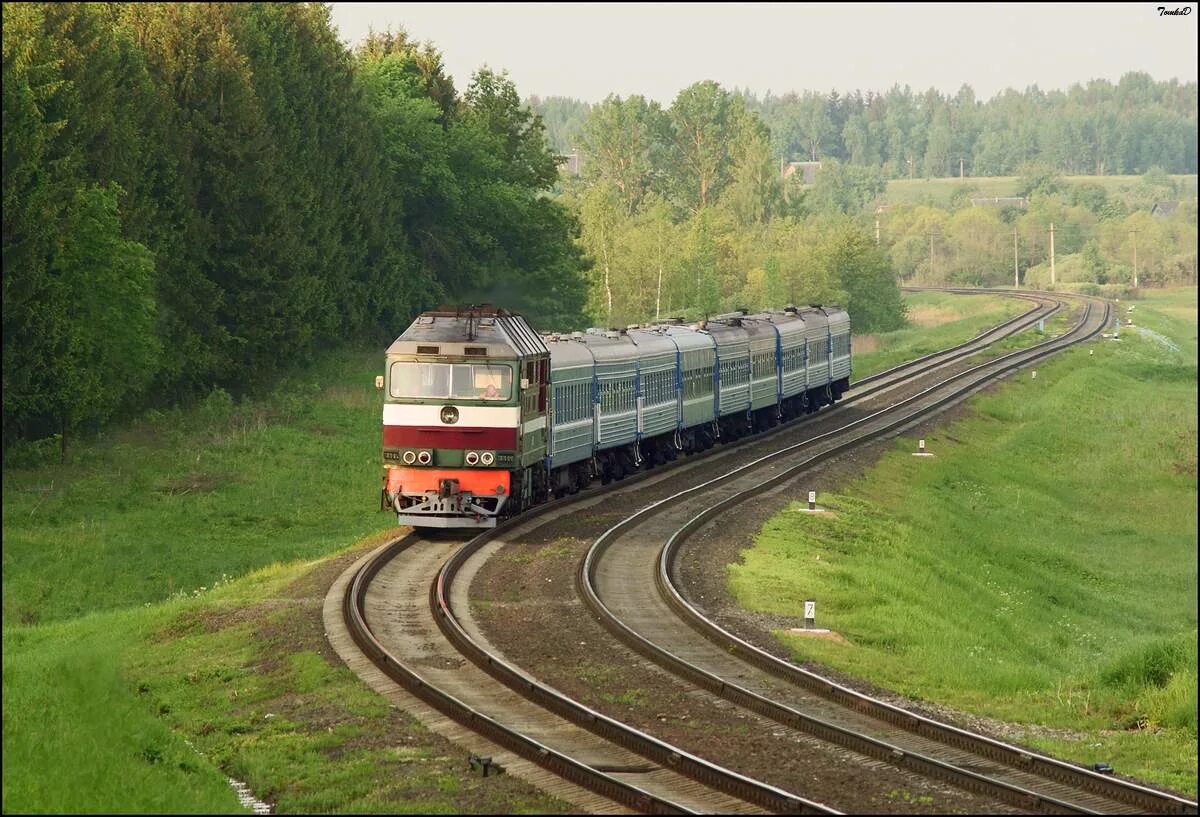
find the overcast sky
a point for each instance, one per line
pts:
(588, 51)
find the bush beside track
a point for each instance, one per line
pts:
(1040, 570)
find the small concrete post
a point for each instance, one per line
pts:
(1091, 352)
(921, 446)
(810, 614)
(1042, 326)
(812, 500)
(1034, 375)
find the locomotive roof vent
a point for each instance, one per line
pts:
(576, 336)
(428, 350)
(612, 333)
(789, 310)
(475, 350)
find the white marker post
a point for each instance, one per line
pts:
(810, 614)
(921, 452)
(812, 504)
(1034, 375)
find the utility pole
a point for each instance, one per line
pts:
(960, 168)
(1052, 253)
(1134, 234)
(931, 271)
(1016, 274)
(910, 168)
(876, 229)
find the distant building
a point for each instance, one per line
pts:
(571, 164)
(807, 170)
(1002, 201)
(1162, 209)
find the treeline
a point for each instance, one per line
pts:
(1096, 128)
(1099, 233)
(684, 212)
(199, 195)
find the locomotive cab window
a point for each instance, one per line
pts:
(461, 381)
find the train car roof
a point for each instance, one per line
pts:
(567, 352)
(687, 338)
(610, 346)
(726, 335)
(651, 342)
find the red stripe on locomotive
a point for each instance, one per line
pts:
(421, 480)
(495, 439)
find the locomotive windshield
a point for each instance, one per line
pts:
(462, 381)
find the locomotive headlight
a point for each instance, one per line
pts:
(472, 457)
(424, 458)
(409, 457)
(487, 457)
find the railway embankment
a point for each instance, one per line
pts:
(1038, 572)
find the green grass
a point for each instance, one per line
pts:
(76, 739)
(97, 712)
(176, 503)
(1041, 569)
(938, 320)
(939, 191)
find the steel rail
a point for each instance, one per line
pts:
(870, 746)
(560, 764)
(1051, 768)
(1016, 322)
(666, 755)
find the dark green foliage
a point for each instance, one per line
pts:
(108, 352)
(201, 195)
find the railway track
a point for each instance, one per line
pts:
(637, 600)
(394, 607)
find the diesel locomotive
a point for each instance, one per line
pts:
(484, 417)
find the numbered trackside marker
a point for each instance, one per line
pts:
(812, 504)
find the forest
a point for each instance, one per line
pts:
(200, 197)
(1093, 128)
(684, 209)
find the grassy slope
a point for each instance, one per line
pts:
(938, 320)
(98, 713)
(1041, 569)
(903, 191)
(176, 504)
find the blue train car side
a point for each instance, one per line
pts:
(629, 399)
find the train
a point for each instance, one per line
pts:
(483, 417)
